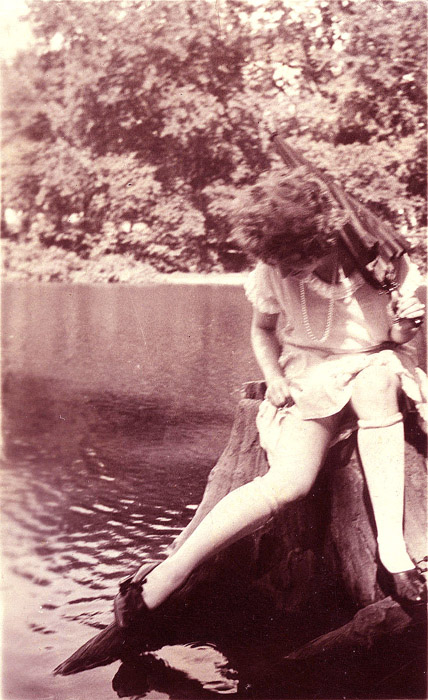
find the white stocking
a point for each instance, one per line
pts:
(381, 447)
(238, 514)
(293, 470)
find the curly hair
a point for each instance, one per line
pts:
(287, 216)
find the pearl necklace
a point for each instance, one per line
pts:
(343, 290)
(305, 316)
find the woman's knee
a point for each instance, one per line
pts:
(297, 457)
(281, 489)
(375, 392)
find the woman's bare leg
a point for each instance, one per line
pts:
(293, 470)
(381, 447)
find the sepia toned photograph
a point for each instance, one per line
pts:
(214, 389)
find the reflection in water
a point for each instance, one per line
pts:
(155, 672)
(117, 402)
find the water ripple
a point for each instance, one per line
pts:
(86, 499)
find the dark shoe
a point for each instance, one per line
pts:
(406, 587)
(129, 606)
(410, 586)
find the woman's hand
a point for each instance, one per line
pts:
(278, 393)
(267, 351)
(409, 314)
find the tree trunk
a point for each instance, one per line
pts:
(335, 521)
(319, 554)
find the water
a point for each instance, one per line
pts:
(117, 403)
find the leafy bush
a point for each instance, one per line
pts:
(29, 261)
(131, 125)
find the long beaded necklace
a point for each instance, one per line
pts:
(330, 310)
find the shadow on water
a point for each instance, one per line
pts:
(117, 402)
(92, 485)
(251, 675)
(95, 469)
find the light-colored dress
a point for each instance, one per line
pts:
(320, 372)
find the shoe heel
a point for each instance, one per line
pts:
(408, 588)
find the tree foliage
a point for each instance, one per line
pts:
(132, 125)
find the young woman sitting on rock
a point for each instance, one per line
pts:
(330, 346)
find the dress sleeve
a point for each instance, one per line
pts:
(260, 290)
(409, 277)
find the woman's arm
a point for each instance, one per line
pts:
(409, 314)
(267, 351)
(408, 301)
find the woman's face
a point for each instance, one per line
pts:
(290, 267)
